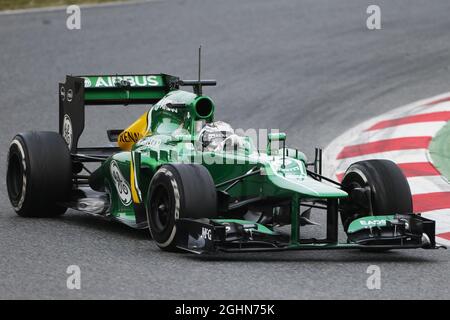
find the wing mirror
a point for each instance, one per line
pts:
(279, 136)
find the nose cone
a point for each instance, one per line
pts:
(293, 177)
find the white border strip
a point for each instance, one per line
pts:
(419, 185)
(334, 147)
(82, 6)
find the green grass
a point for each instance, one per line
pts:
(26, 4)
(440, 150)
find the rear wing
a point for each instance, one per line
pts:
(128, 89)
(79, 91)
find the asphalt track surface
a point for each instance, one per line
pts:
(310, 68)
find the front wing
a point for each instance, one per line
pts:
(400, 231)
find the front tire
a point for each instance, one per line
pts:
(388, 189)
(39, 174)
(178, 191)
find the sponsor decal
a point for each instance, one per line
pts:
(136, 193)
(67, 131)
(373, 223)
(152, 142)
(122, 186)
(214, 135)
(69, 95)
(292, 168)
(129, 136)
(62, 93)
(163, 106)
(134, 81)
(206, 233)
(369, 222)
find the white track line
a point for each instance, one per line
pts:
(403, 156)
(428, 184)
(441, 215)
(443, 241)
(82, 6)
(335, 146)
(419, 185)
(406, 130)
(444, 106)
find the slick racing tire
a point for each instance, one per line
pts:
(39, 174)
(389, 190)
(178, 191)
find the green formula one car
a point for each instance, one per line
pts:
(196, 184)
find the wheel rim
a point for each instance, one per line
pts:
(352, 211)
(161, 208)
(15, 177)
(355, 181)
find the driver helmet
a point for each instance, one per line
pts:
(213, 134)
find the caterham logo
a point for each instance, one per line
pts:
(67, 131)
(122, 186)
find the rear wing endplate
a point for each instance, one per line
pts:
(79, 91)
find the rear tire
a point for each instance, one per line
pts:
(39, 174)
(178, 191)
